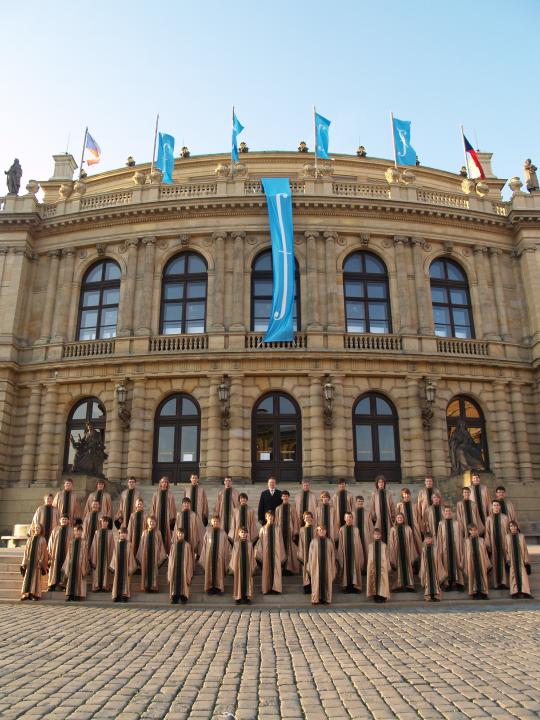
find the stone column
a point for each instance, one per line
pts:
(521, 431)
(28, 460)
(484, 293)
(145, 294)
(135, 434)
(218, 298)
(530, 266)
(127, 298)
(505, 451)
(114, 441)
(438, 441)
(236, 428)
(46, 322)
(3, 252)
(64, 297)
(332, 314)
(405, 327)
(237, 315)
(317, 431)
(340, 429)
(500, 302)
(421, 283)
(211, 427)
(416, 461)
(313, 321)
(47, 450)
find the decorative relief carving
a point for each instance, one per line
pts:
(83, 254)
(101, 249)
(448, 247)
(208, 241)
(251, 240)
(387, 243)
(184, 240)
(162, 244)
(364, 239)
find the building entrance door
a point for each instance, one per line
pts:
(276, 444)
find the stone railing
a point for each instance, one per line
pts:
(177, 343)
(360, 190)
(48, 210)
(254, 187)
(370, 341)
(88, 348)
(455, 346)
(188, 190)
(255, 341)
(435, 197)
(500, 208)
(105, 200)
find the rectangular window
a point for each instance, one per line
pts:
(376, 290)
(111, 296)
(438, 295)
(354, 289)
(173, 291)
(196, 290)
(188, 442)
(287, 443)
(91, 298)
(387, 449)
(166, 444)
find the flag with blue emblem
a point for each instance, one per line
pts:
(237, 128)
(405, 154)
(279, 199)
(321, 136)
(165, 156)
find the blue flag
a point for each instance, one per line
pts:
(279, 199)
(321, 136)
(405, 153)
(165, 156)
(237, 128)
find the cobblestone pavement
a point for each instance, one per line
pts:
(80, 662)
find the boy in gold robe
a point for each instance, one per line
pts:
(378, 569)
(306, 535)
(199, 502)
(431, 570)
(123, 565)
(270, 556)
(476, 565)
(286, 519)
(180, 567)
(402, 555)
(215, 557)
(518, 563)
(350, 556)
(321, 567)
(47, 516)
(382, 509)
(59, 543)
(34, 563)
(101, 554)
(242, 565)
(244, 516)
(150, 556)
(226, 503)
(163, 509)
(76, 566)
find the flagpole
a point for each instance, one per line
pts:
(83, 149)
(465, 151)
(154, 150)
(315, 138)
(393, 138)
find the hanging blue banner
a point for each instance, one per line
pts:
(165, 156)
(279, 199)
(405, 153)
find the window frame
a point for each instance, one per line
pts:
(100, 286)
(448, 285)
(364, 277)
(185, 278)
(268, 275)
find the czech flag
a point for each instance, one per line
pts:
(93, 149)
(473, 163)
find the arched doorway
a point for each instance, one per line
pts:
(376, 438)
(276, 442)
(177, 430)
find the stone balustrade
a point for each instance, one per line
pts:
(368, 341)
(105, 200)
(177, 343)
(88, 348)
(455, 346)
(255, 341)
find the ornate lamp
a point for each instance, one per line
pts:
(328, 395)
(224, 395)
(430, 390)
(121, 396)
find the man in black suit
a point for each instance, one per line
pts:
(269, 500)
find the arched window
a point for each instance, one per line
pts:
(98, 307)
(276, 439)
(367, 304)
(177, 432)
(466, 412)
(88, 410)
(183, 295)
(452, 313)
(261, 292)
(376, 438)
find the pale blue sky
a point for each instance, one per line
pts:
(113, 65)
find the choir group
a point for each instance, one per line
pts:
(319, 539)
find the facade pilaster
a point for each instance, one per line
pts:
(27, 476)
(500, 302)
(211, 426)
(313, 321)
(485, 295)
(521, 431)
(438, 441)
(332, 314)
(44, 473)
(317, 436)
(505, 453)
(339, 430)
(50, 297)
(135, 434)
(405, 324)
(125, 310)
(421, 284)
(64, 296)
(238, 322)
(218, 298)
(114, 442)
(529, 261)
(145, 293)
(237, 435)
(416, 464)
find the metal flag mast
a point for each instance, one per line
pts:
(315, 138)
(82, 154)
(154, 150)
(465, 152)
(393, 138)
(232, 159)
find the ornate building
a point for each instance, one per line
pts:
(141, 307)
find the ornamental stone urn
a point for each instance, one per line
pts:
(515, 184)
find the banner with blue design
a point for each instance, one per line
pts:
(165, 156)
(237, 128)
(322, 126)
(279, 199)
(405, 153)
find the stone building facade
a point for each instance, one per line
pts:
(142, 305)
